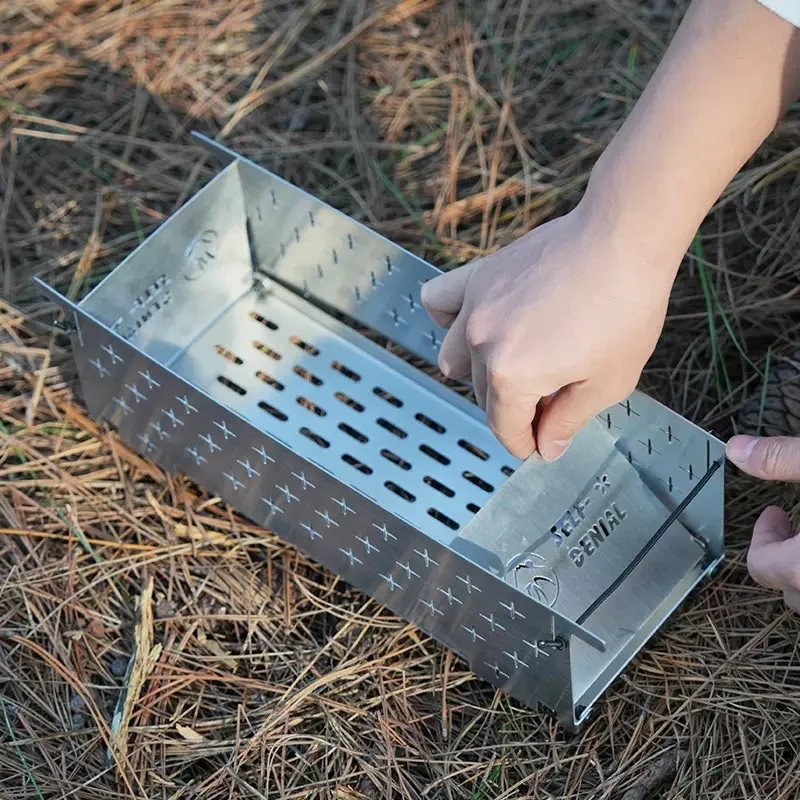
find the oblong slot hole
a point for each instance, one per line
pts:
(400, 491)
(269, 380)
(356, 464)
(348, 401)
(434, 454)
(227, 354)
(308, 348)
(346, 371)
(473, 508)
(431, 423)
(277, 413)
(228, 383)
(312, 407)
(268, 323)
(439, 486)
(443, 518)
(316, 438)
(389, 398)
(479, 482)
(471, 448)
(507, 471)
(395, 459)
(392, 428)
(357, 435)
(267, 351)
(308, 376)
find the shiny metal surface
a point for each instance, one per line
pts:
(546, 579)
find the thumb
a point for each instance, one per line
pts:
(564, 415)
(444, 295)
(775, 458)
(773, 559)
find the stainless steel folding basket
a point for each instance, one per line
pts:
(224, 347)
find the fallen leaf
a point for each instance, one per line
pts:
(189, 734)
(203, 536)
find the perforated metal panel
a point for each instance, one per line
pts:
(411, 450)
(211, 351)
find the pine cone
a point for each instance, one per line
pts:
(781, 414)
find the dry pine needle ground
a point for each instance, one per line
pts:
(451, 127)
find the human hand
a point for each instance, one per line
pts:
(558, 324)
(773, 559)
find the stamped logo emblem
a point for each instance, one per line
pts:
(530, 573)
(201, 254)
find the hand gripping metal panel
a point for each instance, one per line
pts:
(213, 351)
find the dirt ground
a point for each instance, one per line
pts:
(451, 127)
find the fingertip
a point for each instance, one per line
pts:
(428, 292)
(522, 450)
(771, 458)
(552, 450)
(740, 448)
(772, 525)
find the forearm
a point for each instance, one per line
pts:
(730, 73)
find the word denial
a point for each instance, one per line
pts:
(599, 527)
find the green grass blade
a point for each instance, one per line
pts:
(25, 763)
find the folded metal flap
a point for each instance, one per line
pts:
(570, 533)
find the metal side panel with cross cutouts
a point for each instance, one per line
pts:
(505, 636)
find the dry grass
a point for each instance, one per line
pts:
(451, 127)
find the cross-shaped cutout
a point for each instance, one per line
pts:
(115, 357)
(327, 518)
(426, 558)
(235, 482)
(393, 584)
(474, 635)
(273, 507)
(518, 662)
(368, 544)
(162, 434)
(126, 409)
(212, 445)
(407, 569)
(343, 505)
(192, 451)
(265, 457)
(512, 610)
(432, 608)
(351, 556)
(188, 407)
(226, 431)
(151, 381)
(287, 493)
(98, 365)
(312, 534)
(248, 468)
(384, 531)
(493, 623)
(537, 649)
(471, 587)
(451, 598)
(172, 417)
(304, 482)
(134, 390)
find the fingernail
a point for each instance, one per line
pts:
(554, 450)
(739, 448)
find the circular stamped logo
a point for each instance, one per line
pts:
(530, 573)
(201, 254)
